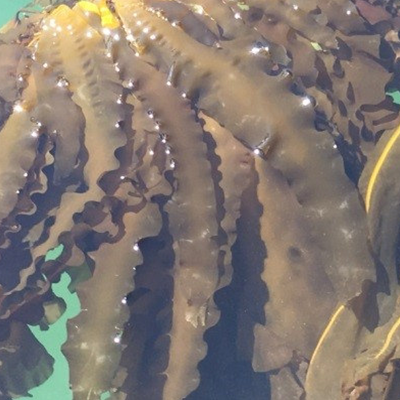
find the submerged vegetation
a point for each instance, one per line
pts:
(221, 181)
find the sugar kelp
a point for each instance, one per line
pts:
(142, 134)
(49, 51)
(372, 367)
(356, 113)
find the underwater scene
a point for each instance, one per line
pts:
(200, 200)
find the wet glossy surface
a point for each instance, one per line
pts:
(220, 182)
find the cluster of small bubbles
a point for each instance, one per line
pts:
(172, 164)
(128, 34)
(53, 24)
(62, 82)
(205, 233)
(259, 48)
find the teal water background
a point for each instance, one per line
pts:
(8, 9)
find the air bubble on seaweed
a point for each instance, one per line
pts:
(62, 82)
(18, 107)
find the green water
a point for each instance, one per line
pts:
(8, 9)
(52, 339)
(57, 386)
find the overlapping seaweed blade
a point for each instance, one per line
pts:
(141, 136)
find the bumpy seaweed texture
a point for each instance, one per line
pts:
(200, 163)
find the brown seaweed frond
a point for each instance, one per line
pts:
(143, 135)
